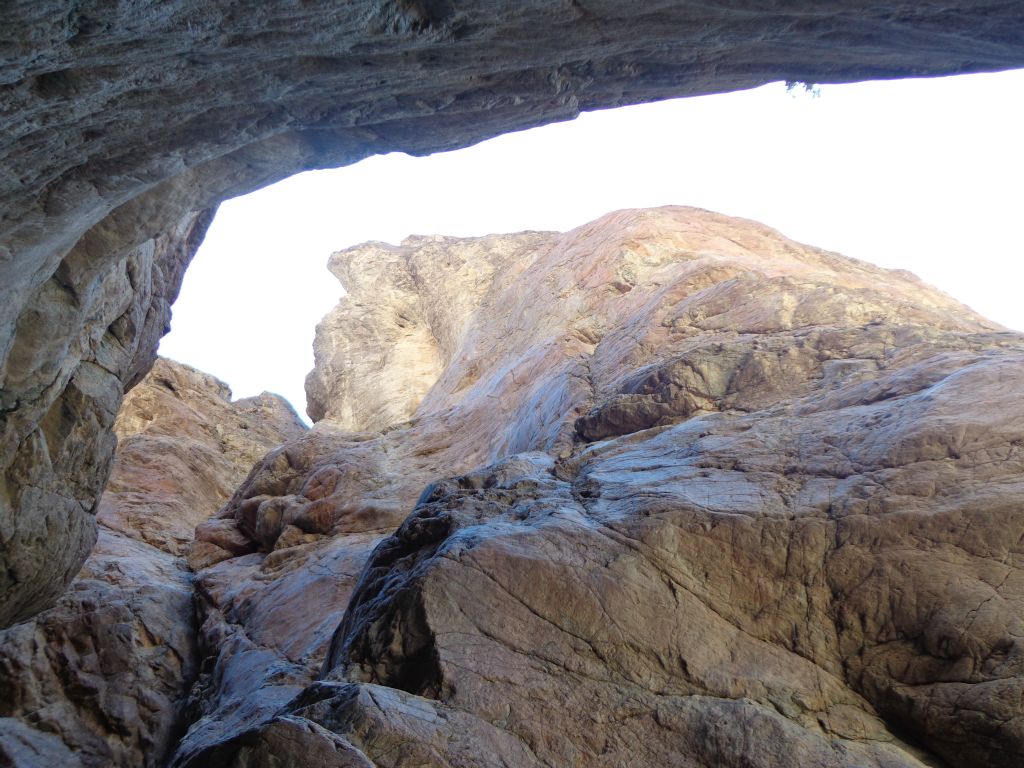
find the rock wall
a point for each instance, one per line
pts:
(381, 350)
(100, 678)
(684, 493)
(125, 123)
(91, 332)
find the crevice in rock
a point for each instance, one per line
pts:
(384, 636)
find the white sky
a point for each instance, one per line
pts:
(924, 175)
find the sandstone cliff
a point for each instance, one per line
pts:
(124, 124)
(100, 678)
(683, 493)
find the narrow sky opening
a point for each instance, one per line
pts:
(924, 175)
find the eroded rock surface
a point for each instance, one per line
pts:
(683, 493)
(184, 447)
(99, 679)
(90, 333)
(126, 123)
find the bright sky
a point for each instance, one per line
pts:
(924, 175)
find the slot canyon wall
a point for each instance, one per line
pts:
(102, 677)
(668, 489)
(124, 124)
(684, 493)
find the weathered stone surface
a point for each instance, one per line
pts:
(92, 331)
(99, 679)
(125, 123)
(266, 624)
(714, 498)
(184, 447)
(286, 741)
(103, 671)
(379, 352)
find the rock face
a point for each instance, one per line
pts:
(381, 351)
(184, 447)
(125, 123)
(99, 679)
(683, 493)
(61, 393)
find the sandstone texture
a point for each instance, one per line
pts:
(61, 391)
(683, 493)
(100, 678)
(183, 449)
(126, 123)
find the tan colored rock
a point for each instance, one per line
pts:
(126, 124)
(92, 333)
(184, 448)
(203, 554)
(100, 678)
(102, 673)
(713, 498)
(380, 351)
(226, 535)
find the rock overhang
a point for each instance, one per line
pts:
(126, 124)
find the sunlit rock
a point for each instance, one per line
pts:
(685, 493)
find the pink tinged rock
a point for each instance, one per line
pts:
(226, 534)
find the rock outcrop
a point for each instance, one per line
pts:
(100, 678)
(90, 334)
(126, 123)
(683, 492)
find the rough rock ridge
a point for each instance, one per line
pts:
(683, 493)
(124, 124)
(100, 678)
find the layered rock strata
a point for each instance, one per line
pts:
(126, 123)
(100, 679)
(683, 492)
